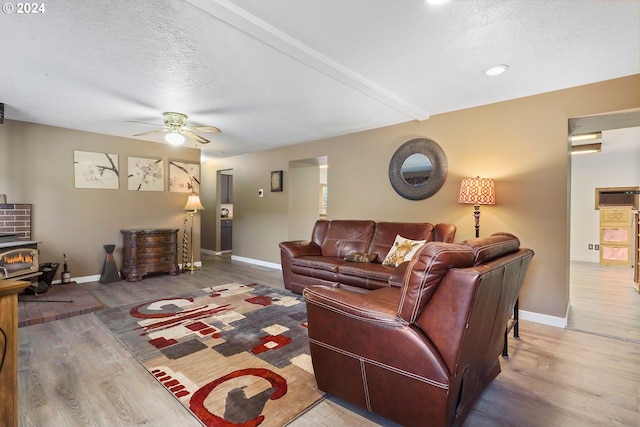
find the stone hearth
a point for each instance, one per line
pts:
(46, 307)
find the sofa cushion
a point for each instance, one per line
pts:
(346, 236)
(372, 271)
(361, 257)
(386, 232)
(318, 262)
(402, 250)
(317, 267)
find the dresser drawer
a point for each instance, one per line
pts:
(153, 260)
(615, 255)
(153, 250)
(616, 235)
(154, 240)
(615, 216)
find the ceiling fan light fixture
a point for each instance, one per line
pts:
(174, 138)
(176, 130)
(175, 120)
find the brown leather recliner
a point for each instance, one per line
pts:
(421, 354)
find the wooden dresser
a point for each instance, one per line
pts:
(149, 251)
(616, 236)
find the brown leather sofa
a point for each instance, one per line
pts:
(423, 353)
(321, 261)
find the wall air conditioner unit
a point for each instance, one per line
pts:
(617, 196)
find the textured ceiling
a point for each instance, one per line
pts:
(279, 72)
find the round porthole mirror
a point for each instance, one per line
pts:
(418, 169)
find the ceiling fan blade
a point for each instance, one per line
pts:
(194, 136)
(151, 132)
(144, 123)
(207, 129)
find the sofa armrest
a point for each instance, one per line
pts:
(297, 248)
(380, 305)
(293, 249)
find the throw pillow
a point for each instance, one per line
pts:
(360, 257)
(402, 250)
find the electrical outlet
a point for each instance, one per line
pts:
(597, 247)
(261, 193)
(590, 246)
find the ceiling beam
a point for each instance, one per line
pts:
(600, 122)
(250, 24)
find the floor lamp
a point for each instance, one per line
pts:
(477, 191)
(193, 205)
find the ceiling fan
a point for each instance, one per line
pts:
(175, 126)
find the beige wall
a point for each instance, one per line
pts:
(522, 144)
(36, 166)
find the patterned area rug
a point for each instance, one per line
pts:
(235, 355)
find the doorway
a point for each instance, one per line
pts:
(308, 195)
(603, 299)
(225, 215)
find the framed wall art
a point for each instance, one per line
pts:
(184, 177)
(276, 181)
(145, 174)
(96, 170)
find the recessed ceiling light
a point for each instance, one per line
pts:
(437, 1)
(495, 70)
(586, 137)
(587, 148)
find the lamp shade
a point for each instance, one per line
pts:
(477, 191)
(193, 204)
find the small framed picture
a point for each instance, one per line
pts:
(184, 177)
(276, 181)
(96, 170)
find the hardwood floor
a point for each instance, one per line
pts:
(604, 301)
(73, 372)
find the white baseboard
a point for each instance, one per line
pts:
(273, 265)
(96, 278)
(545, 319)
(210, 252)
